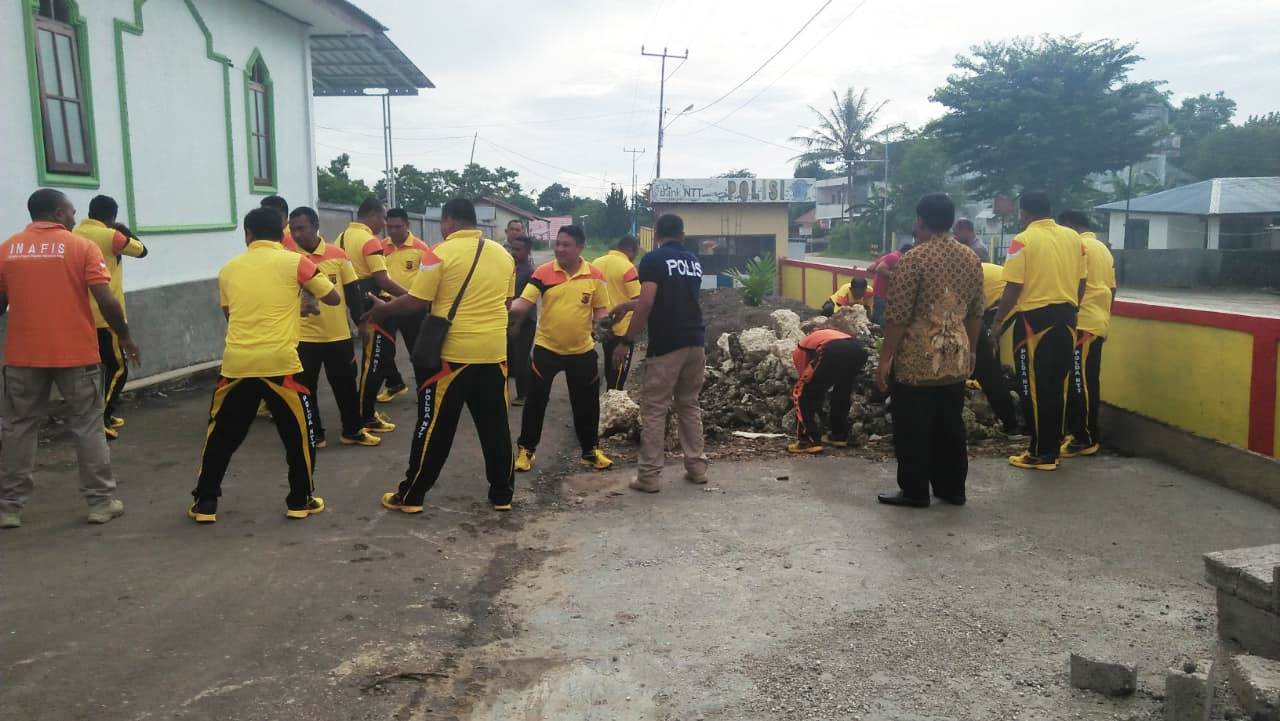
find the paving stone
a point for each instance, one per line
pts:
(1104, 676)
(1255, 630)
(1185, 692)
(1246, 573)
(1256, 683)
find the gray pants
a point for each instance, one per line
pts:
(672, 382)
(25, 403)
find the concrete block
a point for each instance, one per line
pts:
(1185, 693)
(1105, 676)
(1256, 684)
(1255, 630)
(1246, 573)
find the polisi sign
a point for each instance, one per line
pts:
(731, 190)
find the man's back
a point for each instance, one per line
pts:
(936, 289)
(113, 244)
(675, 321)
(1049, 261)
(622, 281)
(1095, 309)
(46, 271)
(260, 290)
(479, 330)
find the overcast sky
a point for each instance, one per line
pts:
(556, 89)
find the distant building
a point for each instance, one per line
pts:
(1222, 213)
(545, 229)
(833, 199)
(503, 213)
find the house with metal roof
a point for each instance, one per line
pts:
(1217, 214)
(188, 113)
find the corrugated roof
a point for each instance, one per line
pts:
(513, 209)
(348, 64)
(1219, 196)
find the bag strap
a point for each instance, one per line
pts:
(474, 262)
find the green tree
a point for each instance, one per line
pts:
(1197, 117)
(417, 190)
(740, 173)
(1239, 151)
(813, 170)
(845, 134)
(335, 185)
(617, 217)
(918, 165)
(556, 197)
(1046, 113)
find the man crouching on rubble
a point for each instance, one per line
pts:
(827, 360)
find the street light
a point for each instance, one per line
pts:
(662, 131)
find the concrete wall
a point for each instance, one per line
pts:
(1198, 268)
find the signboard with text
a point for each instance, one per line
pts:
(731, 190)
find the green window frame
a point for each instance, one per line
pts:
(62, 123)
(260, 126)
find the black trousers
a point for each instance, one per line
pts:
(615, 378)
(929, 440)
(115, 371)
(379, 355)
(1043, 350)
(833, 367)
(338, 359)
(482, 387)
(990, 375)
(582, 376)
(1083, 399)
(519, 347)
(406, 326)
(235, 404)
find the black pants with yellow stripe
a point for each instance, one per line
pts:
(339, 363)
(235, 403)
(1043, 343)
(834, 367)
(615, 377)
(582, 376)
(114, 371)
(482, 388)
(406, 326)
(379, 355)
(1083, 400)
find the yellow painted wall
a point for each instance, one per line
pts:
(1275, 448)
(645, 236)
(733, 219)
(791, 281)
(817, 287)
(1192, 377)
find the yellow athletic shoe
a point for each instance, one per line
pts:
(386, 395)
(827, 440)
(502, 506)
(263, 411)
(362, 438)
(379, 424)
(205, 511)
(802, 447)
(1026, 460)
(524, 460)
(392, 502)
(972, 385)
(597, 460)
(314, 506)
(112, 434)
(1070, 449)
(321, 443)
(115, 422)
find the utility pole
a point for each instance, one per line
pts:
(474, 138)
(388, 155)
(634, 152)
(662, 95)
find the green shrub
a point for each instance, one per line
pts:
(758, 281)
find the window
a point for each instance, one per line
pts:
(61, 91)
(259, 107)
(1137, 234)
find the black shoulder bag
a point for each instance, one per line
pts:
(434, 328)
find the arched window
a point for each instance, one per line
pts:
(259, 100)
(63, 112)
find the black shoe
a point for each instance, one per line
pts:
(953, 500)
(896, 498)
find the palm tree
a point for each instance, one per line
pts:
(844, 135)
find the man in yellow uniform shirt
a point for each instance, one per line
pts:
(573, 297)
(115, 241)
(988, 370)
(473, 358)
(404, 252)
(259, 291)
(1092, 326)
(362, 245)
(1044, 277)
(281, 206)
(623, 285)
(325, 341)
(853, 292)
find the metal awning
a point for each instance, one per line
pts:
(345, 65)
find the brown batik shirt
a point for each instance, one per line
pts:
(936, 287)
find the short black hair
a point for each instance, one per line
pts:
(937, 211)
(858, 283)
(669, 225)
(524, 239)
(1075, 220)
(400, 213)
(103, 208)
(310, 214)
(461, 210)
(370, 205)
(515, 220)
(1036, 203)
(276, 203)
(628, 242)
(44, 203)
(574, 231)
(962, 223)
(264, 224)
(906, 246)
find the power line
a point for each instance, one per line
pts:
(549, 165)
(768, 60)
(749, 137)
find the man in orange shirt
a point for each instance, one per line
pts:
(48, 273)
(827, 360)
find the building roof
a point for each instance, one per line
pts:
(808, 217)
(1219, 196)
(513, 209)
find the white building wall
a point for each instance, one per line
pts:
(1186, 231)
(177, 116)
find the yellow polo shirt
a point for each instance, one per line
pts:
(259, 288)
(363, 248)
(113, 245)
(479, 330)
(1048, 260)
(844, 297)
(568, 304)
(1095, 311)
(992, 285)
(403, 261)
(332, 262)
(622, 283)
